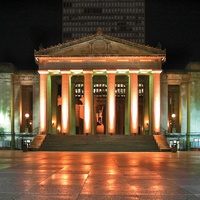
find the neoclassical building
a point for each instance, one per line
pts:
(100, 85)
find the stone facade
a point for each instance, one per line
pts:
(76, 80)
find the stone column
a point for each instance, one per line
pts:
(43, 101)
(133, 102)
(88, 105)
(183, 107)
(49, 108)
(65, 120)
(150, 126)
(17, 105)
(12, 112)
(111, 110)
(193, 104)
(164, 104)
(156, 101)
(36, 112)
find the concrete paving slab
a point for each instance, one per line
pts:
(102, 175)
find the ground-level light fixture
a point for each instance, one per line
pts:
(26, 116)
(173, 115)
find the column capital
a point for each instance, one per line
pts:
(88, 72)
(65, 72)
(156, 71)
(133, 71)
(77, 71)
(43, 72)
(111, 71)
(99, 71)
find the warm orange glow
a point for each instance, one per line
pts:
(93, 59)
(65, 104)
(76, 61)
(43, 100)
(100, 60)
(145, 60)
(111, 103)
(134, 102)
(58, 128)
(156, 102)
(87, 117)
(87, 103)
(122, 60)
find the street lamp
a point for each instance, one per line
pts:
(26, 116)
(173, 123)
(147, 127)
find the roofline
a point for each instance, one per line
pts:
(89, 37)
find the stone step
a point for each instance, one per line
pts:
(123, 143)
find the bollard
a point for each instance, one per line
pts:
(174, 148)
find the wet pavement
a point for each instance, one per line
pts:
(112, 176)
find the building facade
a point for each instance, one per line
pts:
(99, 76)
(100, 84)
(124, 19)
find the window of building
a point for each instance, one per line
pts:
(92, 10)
(120, 90)
(100, 90)
(67, 4)
(140, 89)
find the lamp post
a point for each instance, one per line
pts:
(173, 123)
(147, 127)
(27, 125)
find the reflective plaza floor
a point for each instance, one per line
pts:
(83, 175)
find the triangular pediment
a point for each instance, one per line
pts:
(99, 45)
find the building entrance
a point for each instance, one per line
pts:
(100, 105)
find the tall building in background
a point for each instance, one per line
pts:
(123, 19)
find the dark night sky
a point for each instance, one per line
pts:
(24, 25)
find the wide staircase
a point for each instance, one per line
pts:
(99, 143)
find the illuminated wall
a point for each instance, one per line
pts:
(5, 102)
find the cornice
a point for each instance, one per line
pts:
(98, 35)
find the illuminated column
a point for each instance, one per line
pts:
(184, 107)
(49, 107)
(133, 102)
(111, 118)
(88, 105)
(164, 121)
(65, 103)
(43, 101)
(156, 101)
